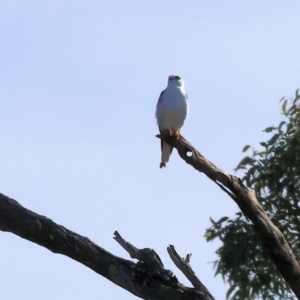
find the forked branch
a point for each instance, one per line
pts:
(146, 279)
(270, 236)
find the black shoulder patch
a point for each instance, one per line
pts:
(160, 96)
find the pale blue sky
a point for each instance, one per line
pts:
(79, 81)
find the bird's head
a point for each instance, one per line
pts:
(175, 80)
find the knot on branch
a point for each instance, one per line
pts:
(150, 269)
(149, 265)
(145, 272)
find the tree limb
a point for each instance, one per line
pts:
(271, 237)
(146, 279)
(183, 264)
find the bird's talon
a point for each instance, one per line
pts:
(174, 133)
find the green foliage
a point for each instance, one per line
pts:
(274, 175)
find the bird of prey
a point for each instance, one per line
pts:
(171, 111)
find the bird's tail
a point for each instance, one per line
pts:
(166, 151)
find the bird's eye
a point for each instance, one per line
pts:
(177, 77)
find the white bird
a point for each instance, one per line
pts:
(171, 111)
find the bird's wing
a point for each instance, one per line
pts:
(161, 114)
(160, 110)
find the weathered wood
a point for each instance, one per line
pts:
(141, 278)
(183, 264)
(270, 236)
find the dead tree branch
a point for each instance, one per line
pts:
(146, 279)
(270, 236)
(183, 264)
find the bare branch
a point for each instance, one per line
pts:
(184, 266)
(146, 279)
(127, 246)
(150, 263)
(271, 237)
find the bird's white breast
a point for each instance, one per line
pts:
(173, 108)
